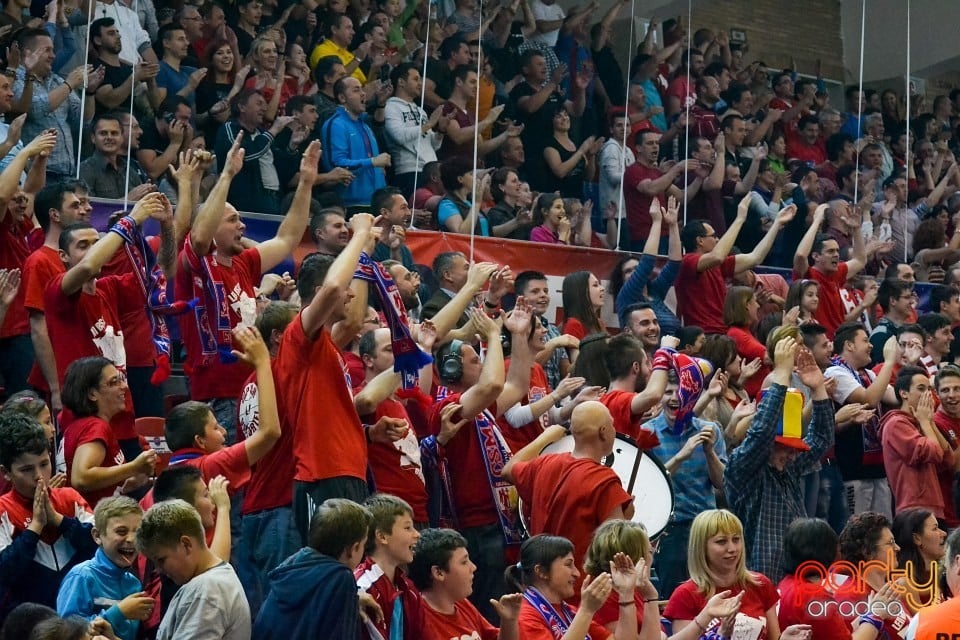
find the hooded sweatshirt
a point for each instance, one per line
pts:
(311, 596)
(912, 460)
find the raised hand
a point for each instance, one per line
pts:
(234, 161)
(219, 495)
(508, 606)
(449, 425)
(15, 129)
(924, 411)
(671, 215)
(40, 145)
(501, 282)
(623, 574)
(595, 592)
(310, 163)
(807, 368)
(744, 207)
(9, 286)
(569, 385)
(253, 350)
(785, 353)
(787, 214)
(518, 321)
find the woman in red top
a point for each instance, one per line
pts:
(805, 295)
(623, 536)
(740, 315)
(267, 75)
(582, 301)
(94, 392)
(717, 561)
(867, 539)
(921, 542)
(546, 574)
(805, 596)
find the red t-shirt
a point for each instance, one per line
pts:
(830, 312)
(328, 439)
(14, 252)
(83, 325)
(637, 203)
(137, 333)
(569, 497)
(610, 611)
(19, 512)
(209, 377)
(465, 622)
(534, 627)
(750, 348)
(950, 428)
(520, 437)
(354, 368)
(229, 462)
(472, 496)
(798, 606)
(686, 602)
(271, 479)
(385, 590)
(92, 429)
(895, 627)
(41, 267)
(625, 422)
(396, 467)
(700, 295)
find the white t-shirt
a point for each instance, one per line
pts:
(548, 12)
(211, 606)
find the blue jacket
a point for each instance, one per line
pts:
(311, 596)
(350, 144)
(94, 588)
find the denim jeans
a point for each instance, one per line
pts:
(832, 502)
(670, 562)
(488, 551)
(270, 537)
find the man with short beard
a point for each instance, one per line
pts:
(329, 230)
(640, 321)
(408, 284)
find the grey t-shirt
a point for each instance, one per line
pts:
(212, 606)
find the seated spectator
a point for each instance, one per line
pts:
(553, 225)
(103, 587)
(37, 518)
(428, 195)
(867, 539)
(582, 301)
(165, 137)
(443, 572)
(319, 578)
(349, 142)
(920, 546)
(546, 576)
(390, 543)
(210, 599)
(94, 392)
(805, 296)
(510, 216)
(740, 315)
(810, 541)
(455, 212)
(106, 170)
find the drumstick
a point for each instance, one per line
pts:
(633, 474)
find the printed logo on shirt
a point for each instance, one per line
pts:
(248, 411)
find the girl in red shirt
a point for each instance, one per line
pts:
(740, 315)
(582, 302)
(546, 575)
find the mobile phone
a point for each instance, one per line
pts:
(384, 74)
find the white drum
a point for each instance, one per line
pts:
(642, 475)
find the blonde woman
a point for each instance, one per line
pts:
(716, 561)
(623, 536)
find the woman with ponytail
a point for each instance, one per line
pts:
(546, 574)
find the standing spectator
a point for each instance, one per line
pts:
(615, 157)
(50, 101)
(805, 142)
(257, 186)
(859, 451)
(339, 36)
(914, 450)
(174, 78)
(462, 132)
(582, 301)
(412, 138)
(896, 298)
(827, 270)
(570, 165)
(740, 314)
(390, 205)
(559, 350)
(135, 40)
(762, 478)
(249, 14)
(267, 75)
(169, 133)
(119, 77)
(947, 420)
(349, 143)
(328, 71)
(454, 52)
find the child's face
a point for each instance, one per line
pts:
(203, 504)
(46, 421)
(214, 436)
(119, 540)
(401, 540)
(458, 576)
(176, 562)
(26, 471)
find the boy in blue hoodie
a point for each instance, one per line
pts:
(103, 586)
(313, 594)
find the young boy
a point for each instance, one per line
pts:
(104, 586)
(313, 593)
(44, 532)
(379, 575)
(210, 602)
(442, 570)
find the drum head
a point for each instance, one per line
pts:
(652, 492)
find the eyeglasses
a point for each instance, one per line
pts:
(710, 235)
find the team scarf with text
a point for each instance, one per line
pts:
(557, 621)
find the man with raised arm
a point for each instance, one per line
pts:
(701, 284)
(216, 269)
(827, 270)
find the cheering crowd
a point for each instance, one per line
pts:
(362, 451)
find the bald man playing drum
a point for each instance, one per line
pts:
(571, 494)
